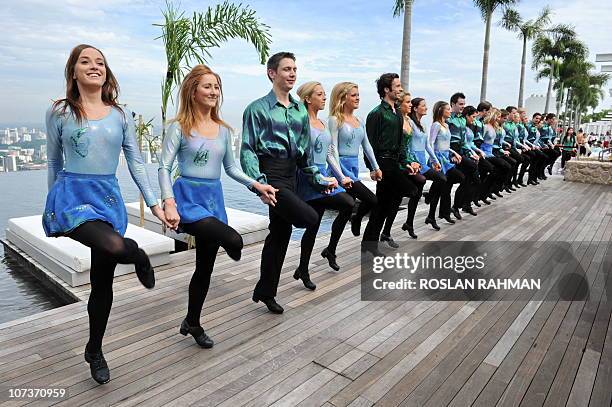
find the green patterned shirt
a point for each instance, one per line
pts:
(269, 129)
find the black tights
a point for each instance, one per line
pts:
(210, 234)
(453, 176)
(108, 248)
(367, 199)
(341, 202)
(418, 180)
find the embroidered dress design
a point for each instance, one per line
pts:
(201, 157)
(80, 144)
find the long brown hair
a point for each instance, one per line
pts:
(72, 101)
(186, 115)
(438, 111)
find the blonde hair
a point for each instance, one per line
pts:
(338, 99)
(186, 115)
(492, 116)
(306, 90)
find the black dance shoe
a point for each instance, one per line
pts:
(271, 303)
(372, 248)
(478, 205)
(498, 194)
(469, 210)
(522, 184)
(532, 182)
(305, 277)
(426, 196)
(97, 366)
(491, 196)
(331, 258)
(432, 222)
(355, 226)
(389, 240)
(549, 168)
(456, 213)
(410, 230)
(144, 270)
(448, 219)
(198, 334)
(508, 190)
(486, 201)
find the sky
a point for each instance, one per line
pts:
(333, 41)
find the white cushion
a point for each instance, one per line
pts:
(71, 253)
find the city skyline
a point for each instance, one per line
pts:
(446, 50)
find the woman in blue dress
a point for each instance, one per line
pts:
(201, 143)
(312, 95)
(485, 168)
(348, 135)
(86, 132)
(439, 137)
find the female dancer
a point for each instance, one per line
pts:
(568, 143)
(439, 137)
(348, 133)
(413, 171)
(491, 146)
(201, 141)
(86, 132)
(485, 168)
(504, 150)
(313, 97)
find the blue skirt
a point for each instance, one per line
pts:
(444, 159)
(78, 198)
(199, 198)
(421, 156)
(487, 149)
(350, 166)
(306, 191)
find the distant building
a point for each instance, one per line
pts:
(10, 162)
(537, 103)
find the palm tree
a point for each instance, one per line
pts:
(405, 6)
(527, 30)
(189, 40)
(587, 93)
(487, 8)
(549, 50)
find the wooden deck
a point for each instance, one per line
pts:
(329, 348)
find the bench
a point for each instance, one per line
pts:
(70, 260)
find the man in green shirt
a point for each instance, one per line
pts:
(275, 143)
(384, 126)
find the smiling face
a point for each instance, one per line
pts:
(458, 107)
(446, 112)
(207, 92)
(317, 98)
(406, 105)
(90, 68)
(470, 119)
(285, 75)
(396, 89)
(421, 109)
(537, 119)
(352, 98)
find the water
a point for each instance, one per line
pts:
(23, 193)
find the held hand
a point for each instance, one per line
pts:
(159, 214)
(506, 153)
(475, 157)
(437, 167)
(347, 183)
(332, 184)
(378, 175)
(416, 166)
(267, 193)
(409, 169)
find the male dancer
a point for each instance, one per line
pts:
(384, 126)
(533, 137)
(275, 141)
(547, 138)
(468, 165)
(482, 108)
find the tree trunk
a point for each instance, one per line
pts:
(522, 82)
(548, 92)
(140, 197)
(566, 114)
(485, 59)
(405, 69)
